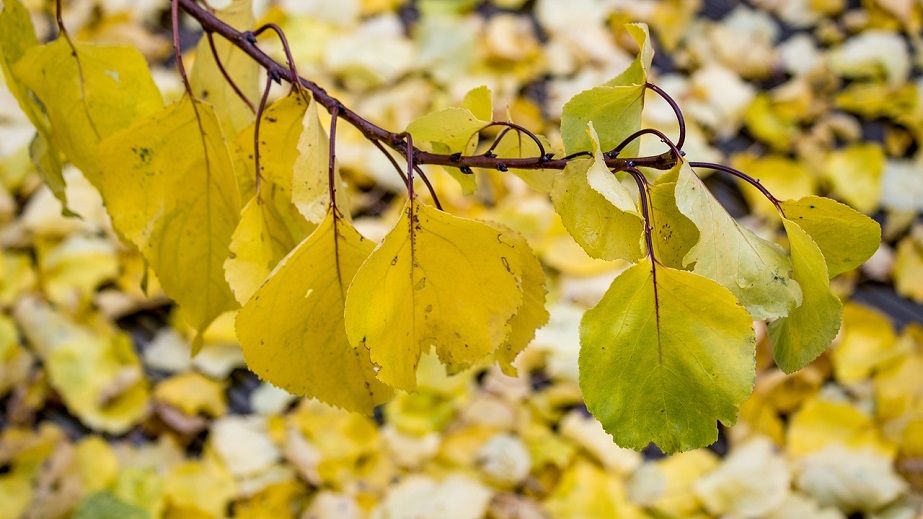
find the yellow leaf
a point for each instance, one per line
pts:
(436, 280)
(866, 342)
(908, 267)
(198, 489)
(16, 37)
(264, 235)
(855, 173)
(586, 491)
(532, 313)
(310, 186)
(604, 181)
(193, 394)
(208, 84)
(666, 485)
(170, 188)
(97, 373)
(751, 481)
(292, 330)
(98, 463)
(820, 423)
(899, 402)
(89, 93)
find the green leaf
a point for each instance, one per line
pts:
(846, 237)
(292, 331)
(602, 230)
(170, 189)
(810, 328)
(757, 271)
(89, 94)
(103, 505)
(656, 368)
(436, 280)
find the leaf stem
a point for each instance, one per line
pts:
(256, 135)
(224, 72)
(679, 113)
(177, 51)
(677, 153)
(743, 176)
(643, 187)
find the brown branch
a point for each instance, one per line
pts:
(246, 42)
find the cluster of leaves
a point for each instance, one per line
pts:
(494, 443)
(327, 314)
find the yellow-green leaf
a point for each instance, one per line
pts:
(614, 108)
(604, 181)
(810, 328)
(637, 72)
(479, 101)
(452, 130)
(170, 188)
(292, 330)
(674, 235)
(846, 237)
(615, 111)
(654, 367)
(602, 230)
(89, 93)
(755, 270)
(209, 84)
(436, 280)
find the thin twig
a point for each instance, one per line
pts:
(371, 131)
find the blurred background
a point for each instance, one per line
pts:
(104, 415)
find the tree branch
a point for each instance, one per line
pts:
(246, 42)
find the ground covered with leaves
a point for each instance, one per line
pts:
(103, 414)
